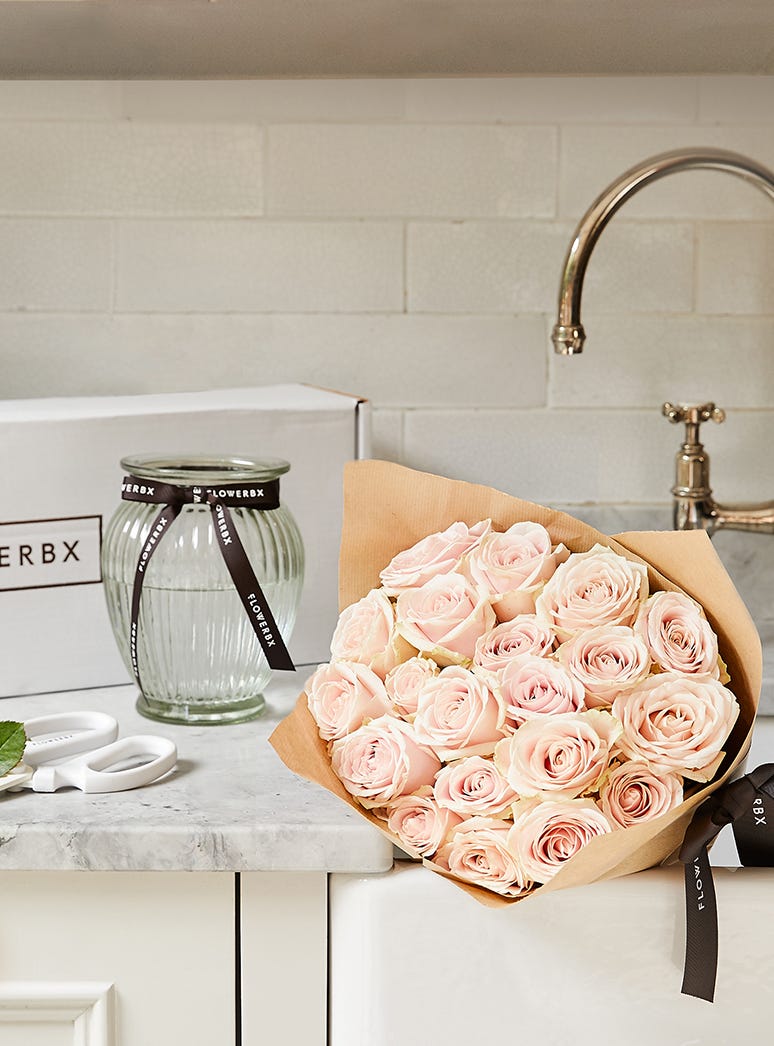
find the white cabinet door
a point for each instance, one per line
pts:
(284, 930)
(415, 961)
(117, 959)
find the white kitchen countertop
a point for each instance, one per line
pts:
(230, 805)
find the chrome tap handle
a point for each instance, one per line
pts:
(693, 414)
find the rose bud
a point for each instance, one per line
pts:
(473, 786)
(458, 715)
(405, 681)
(478, 852)
(547, 834)
(676, 723)
(591, 589)
(342, 695)
(678, 635)
(435, 554)
(444, 618)
(419, 822)
(633, 793)
(531, 687)
(513, 566)
(366, 632)
(606, 660)
(523, 635)
(558, 756)
(381, 761)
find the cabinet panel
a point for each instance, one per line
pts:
(49, 1014)
(284, 938)
(109, 958)
(37, 1033)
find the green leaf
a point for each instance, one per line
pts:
(12, 742)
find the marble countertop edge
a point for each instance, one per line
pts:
(230, 805)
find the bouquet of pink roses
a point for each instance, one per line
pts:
(517, 687)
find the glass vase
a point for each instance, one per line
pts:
(197, 654)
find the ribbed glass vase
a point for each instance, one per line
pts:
(198, 656)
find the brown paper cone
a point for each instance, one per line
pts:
(388, 508)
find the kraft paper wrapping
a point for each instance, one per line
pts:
(388, 508)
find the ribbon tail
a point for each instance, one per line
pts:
(701, 929)
(158, 528)
(250, 592)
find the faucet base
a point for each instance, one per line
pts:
(757, 517)
(692, 513)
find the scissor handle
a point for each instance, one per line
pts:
(92, 773)
(66, 734)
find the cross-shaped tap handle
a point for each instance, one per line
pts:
(693, 413)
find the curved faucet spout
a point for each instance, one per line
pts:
(568, 334)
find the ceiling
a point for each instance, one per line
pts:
(318, 38)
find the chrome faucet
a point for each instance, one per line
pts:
(694, 506)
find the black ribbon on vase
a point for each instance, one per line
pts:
(748, 805)
(261, 496)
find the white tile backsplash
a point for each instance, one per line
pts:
(55, 264)
(259, 266)
(124, 168)
(735, 267)
(547, 455)
(643, 360)
(387, 434)
(403, 240)
(395, 360)
(593, 157)
(411, 170)
(516, 267)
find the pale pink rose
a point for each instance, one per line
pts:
(676, 723)
(606, 660)
(444, 618)
(478, 852)
(512, 567)
(679, 636)
(558, 756)
(435, 554)
(632, 793)
(524, 635)
(382, 760)
(473, 786)
(590, 589)
(547, 834)
(406, 680)
(342, 695)
(532, 687)
(366, 632)
(458, 715)
(419, 822)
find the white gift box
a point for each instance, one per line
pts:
(61, 482)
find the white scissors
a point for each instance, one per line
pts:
(80, 750)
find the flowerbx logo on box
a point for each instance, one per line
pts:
(49, 553)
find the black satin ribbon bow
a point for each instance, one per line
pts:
(748, 805)
(258, 495)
